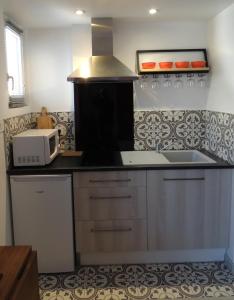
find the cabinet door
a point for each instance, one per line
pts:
(43, 217)
(185, 209)
(216, 213)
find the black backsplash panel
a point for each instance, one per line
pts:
(104, 116)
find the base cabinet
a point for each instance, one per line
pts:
(152, 216)
(110, 211)
(188, 209)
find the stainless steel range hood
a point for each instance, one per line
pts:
(102, 66)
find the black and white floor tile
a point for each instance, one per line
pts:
(139, 282)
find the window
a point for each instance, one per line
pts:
(14, 56)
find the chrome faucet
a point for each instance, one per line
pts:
(158, 149)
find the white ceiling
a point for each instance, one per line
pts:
(58, 13)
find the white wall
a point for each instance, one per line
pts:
(49, 62)
(52, 55)
(130, 36)
(3, 83)
(221, 93)
(55, 50)
(81, 43)
(5, 229)
(221, 45)
(5, 112)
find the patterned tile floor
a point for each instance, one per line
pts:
(136, 282)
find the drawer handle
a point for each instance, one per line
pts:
(110, 180)
(122, 229)
(184, 179)
(111, 197)
(39, 192)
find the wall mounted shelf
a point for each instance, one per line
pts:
(148, 61)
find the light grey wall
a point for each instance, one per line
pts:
(50, 53)
(48, 63)
(5, 229)
(221, 45)
(130, 36)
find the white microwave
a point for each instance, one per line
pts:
(35, 147)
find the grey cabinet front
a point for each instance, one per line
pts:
(187, 209)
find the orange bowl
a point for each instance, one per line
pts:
(165, 65)
(182, 64)
(198, 64)
(148, 65)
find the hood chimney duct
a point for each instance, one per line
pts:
(102, 66)
(102, 36)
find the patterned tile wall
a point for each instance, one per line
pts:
(179, 129)
(62, 120)
(65, 122)
(209, 130)
(219, 136)
(13, 126)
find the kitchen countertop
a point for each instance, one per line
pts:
(110, 161)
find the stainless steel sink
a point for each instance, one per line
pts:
(187, 157)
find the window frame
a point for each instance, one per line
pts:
(16, 101)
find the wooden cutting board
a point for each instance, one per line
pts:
(44, 121)
(72, 153)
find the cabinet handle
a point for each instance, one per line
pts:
(184, 179)
(111, 229)
(109, 180)
(110, 197)
(39, 192)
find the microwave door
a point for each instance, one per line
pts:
(51, 147)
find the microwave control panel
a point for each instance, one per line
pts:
(22, 160)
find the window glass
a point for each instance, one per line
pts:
(14, 57)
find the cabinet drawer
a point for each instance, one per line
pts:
(111, 236)
(110, 179)
(110, 203)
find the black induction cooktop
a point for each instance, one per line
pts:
(101, 158)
